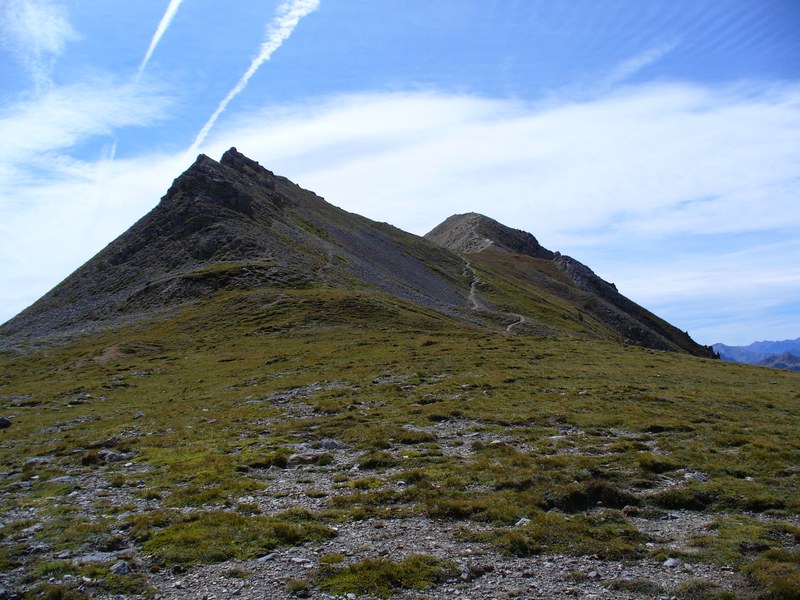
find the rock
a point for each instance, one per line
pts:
(138, 415)
(522, 522)
(121, 567)
(110, 456)
(39, 547)
(63, 479)
(593, 575)
(302, 459)
(5, 423)
(266, 557)
(94, 557)
(37, 460)
(672, 563)
(331, 444)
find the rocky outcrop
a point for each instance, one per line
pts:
(473, 232)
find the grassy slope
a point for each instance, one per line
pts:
(581, 421)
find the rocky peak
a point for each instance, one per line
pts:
(472, 232)
(249, 167)
(231, 183)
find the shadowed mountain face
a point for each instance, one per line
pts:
(233, 226)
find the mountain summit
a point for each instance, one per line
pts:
(233, 226)
(473, 232)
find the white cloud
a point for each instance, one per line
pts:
(56, 211)
(642, 159)
(56, 225)
(637, 171)
(37, 31)
(723, 297)
(64, 116)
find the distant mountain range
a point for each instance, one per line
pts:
(780, 355)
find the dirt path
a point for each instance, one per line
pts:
(478, 305)
(473, 298)
(520, 321)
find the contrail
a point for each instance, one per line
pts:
(287, 16)
(172, 8)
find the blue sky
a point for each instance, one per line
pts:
(658, 142)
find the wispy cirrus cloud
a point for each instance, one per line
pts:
(37, 32)
(630, 67)
(61, 117)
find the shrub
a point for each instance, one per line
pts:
(639, 585)
(700, 589)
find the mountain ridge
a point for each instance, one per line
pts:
(480, 236)
(233, 225)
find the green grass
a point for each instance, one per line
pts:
(605, 534)
(383, 577)
(482, 428)
(217, 536)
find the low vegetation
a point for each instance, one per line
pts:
(533, 446)
(383, 577)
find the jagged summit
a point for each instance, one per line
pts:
(473, 232)
(233, 226)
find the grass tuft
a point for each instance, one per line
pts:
(383, 578)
